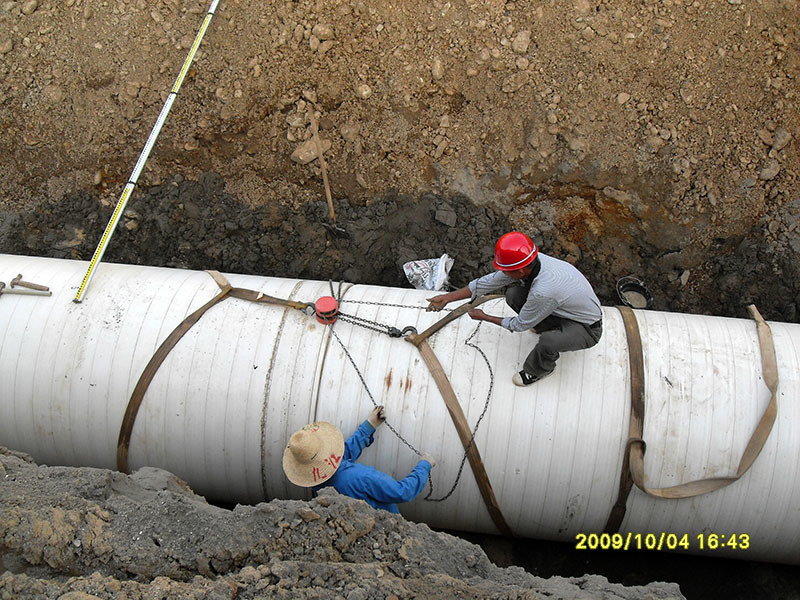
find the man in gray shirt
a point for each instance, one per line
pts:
(549, 296)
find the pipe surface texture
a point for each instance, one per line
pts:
(223, 404)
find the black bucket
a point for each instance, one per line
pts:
(634, 293)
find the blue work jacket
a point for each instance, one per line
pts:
(367, 483)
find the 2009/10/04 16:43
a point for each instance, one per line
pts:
(661, 541)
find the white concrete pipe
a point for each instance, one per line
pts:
(224, 402)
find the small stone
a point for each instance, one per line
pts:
(781, 139)
(623, 97)
(6, 46)
(654, 142)
(307, 514)
(684, 278)
(307, 151)
(349, 131)
(583, 7)
(576, 142)
(514, 82)
(770, 170)
(363, 91)
(521, 42)
(765, 136)
(29, 7)
(323, 31)
(437, 69)
(446, 216)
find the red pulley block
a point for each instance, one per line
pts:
(326, 309)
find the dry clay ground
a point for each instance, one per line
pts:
(657, 138)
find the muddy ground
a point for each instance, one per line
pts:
(656, 138)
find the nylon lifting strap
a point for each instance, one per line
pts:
(456, 412)
(135, 402)
(633, 461)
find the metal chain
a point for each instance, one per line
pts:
(394, 305)
(397, 433)
(366, 387)
(369, 324)
(477, 423)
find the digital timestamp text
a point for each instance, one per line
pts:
(662, 541)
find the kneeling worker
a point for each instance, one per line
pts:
(549, 296)
(317, 456)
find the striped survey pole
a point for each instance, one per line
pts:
(151, 140)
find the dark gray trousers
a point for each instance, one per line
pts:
(556, 335)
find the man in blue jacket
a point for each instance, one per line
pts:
(317, 456)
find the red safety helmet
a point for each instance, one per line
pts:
(513, 251)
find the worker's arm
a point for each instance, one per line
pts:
(477, 287)
(439, 302)
(387, 490)
(534, 312)
(361, 438)
(479, 315)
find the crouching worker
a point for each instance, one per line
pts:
(317, 456)
(549, 296)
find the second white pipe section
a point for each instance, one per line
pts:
(225, 401)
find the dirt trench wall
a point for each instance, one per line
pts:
(199, 225)
(654, 138)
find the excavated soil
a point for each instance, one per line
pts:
(81, 534)
(655, 138)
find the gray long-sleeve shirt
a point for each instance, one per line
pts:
(559, 289)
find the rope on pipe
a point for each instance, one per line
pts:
(151, 140)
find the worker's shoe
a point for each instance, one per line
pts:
(522, 378)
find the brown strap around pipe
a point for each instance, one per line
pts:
(169, 343)
(124, 440)
(635, 447)
(456, 412)
(460, 421)
(464, 308)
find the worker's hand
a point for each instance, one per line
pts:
(437, 303)
(377, 416)
(429, 458)
(477, 314)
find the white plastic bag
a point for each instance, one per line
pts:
(429, 273)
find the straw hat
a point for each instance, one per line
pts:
(313, 454)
